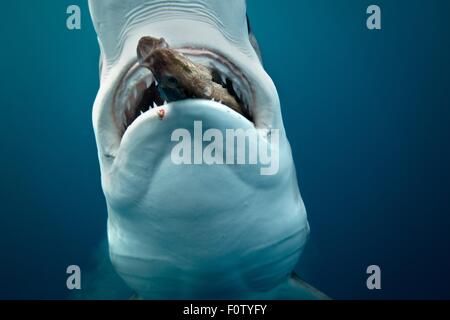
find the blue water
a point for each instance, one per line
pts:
(367, 115)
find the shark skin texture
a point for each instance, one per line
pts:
(193, 231)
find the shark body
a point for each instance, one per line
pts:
(201, 231)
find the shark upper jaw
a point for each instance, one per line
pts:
(199, 38)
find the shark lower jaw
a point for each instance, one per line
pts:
(145, 168)
(199, 231)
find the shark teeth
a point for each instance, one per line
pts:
(223, 78)
(139, 91)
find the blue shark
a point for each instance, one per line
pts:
(200, 231)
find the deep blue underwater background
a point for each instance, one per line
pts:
(367, 114)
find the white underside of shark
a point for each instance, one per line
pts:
(201, 231)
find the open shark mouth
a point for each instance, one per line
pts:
(139, 90)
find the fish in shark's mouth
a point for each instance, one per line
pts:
(165, 75)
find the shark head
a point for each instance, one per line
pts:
(203, 229)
